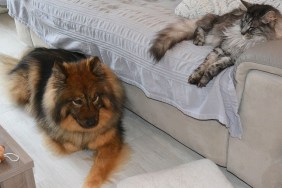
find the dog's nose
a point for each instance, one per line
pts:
(90, 122)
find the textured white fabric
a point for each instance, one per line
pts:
(120, 32)
(194, 8)
(199, 174)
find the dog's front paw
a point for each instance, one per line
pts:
(91, 184)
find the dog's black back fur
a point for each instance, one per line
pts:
(45, 60)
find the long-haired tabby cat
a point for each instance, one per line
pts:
(230, 35)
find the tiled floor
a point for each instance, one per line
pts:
(152, 149)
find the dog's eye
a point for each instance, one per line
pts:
(77, 102)
(96, 99)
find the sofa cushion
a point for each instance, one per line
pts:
(199, 174)
(194, 9)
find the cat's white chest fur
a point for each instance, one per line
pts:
(235, 43)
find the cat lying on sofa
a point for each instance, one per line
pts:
(230, 35)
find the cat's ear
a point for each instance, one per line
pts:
(245, 5)
(269, 17)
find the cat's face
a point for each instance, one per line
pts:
(259, 20)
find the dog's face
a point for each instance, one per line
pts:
(85, 109)
(83, 94)
(83, 91)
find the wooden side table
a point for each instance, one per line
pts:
(15, 174)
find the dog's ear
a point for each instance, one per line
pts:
(245, 5)
(95, 66)
(269, 17)
(59, 71)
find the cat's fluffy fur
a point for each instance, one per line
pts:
(230, 35)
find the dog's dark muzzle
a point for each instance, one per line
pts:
(88, 123)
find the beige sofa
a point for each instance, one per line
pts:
(256, 158)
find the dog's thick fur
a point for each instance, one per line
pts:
(77, 101)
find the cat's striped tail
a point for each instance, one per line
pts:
(171, 35)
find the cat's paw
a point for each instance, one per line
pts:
(199, 41)
(194, 79)
(200, 84)
(203, 82)
(198, 80)
(196, 76)
(199, 38)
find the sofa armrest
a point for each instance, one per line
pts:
(258, 75)
(266, 57)
(266, 54)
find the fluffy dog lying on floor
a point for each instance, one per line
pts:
(78, 103)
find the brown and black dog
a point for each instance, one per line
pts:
(77, 101)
